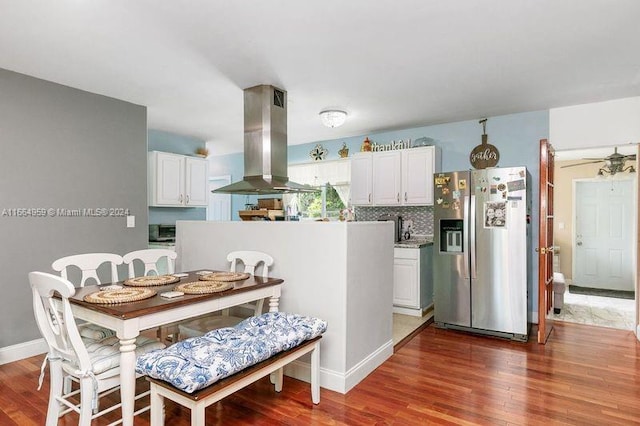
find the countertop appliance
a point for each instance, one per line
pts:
(397, 225)
(481, 244)
(162, 233)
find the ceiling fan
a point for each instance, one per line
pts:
(614, 163)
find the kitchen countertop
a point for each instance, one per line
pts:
(415, 242)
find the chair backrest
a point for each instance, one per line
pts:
(56, 323)
(251, 260)
(88, 263)
(150, 258)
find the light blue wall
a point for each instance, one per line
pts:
(517, 137)
(177, 144)
(233, 165)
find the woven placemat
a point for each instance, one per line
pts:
(151, 280)
(225, 276)
(204, 287)
(119, 296)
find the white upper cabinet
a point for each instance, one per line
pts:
(361, 193)
(196, 182)
(177, 180)
(418, 167)
(394, 178)
(387, 180)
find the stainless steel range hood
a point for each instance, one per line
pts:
(265, 145)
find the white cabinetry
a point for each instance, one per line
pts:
(412, 281)
(418, 166)
(361, 185)
(177, 180)
(386, 178)
(394, 178)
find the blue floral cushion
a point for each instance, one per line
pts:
(198, 362)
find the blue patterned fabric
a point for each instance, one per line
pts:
(198, 362)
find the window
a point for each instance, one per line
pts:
(332, 195)
(323, 203)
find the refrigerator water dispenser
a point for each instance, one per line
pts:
(451, 233)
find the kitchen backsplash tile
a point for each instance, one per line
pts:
(422, 216)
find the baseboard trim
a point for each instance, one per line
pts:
(22, 350)
(336, 381)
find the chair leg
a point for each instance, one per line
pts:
(157, 406)
(55, 391)
(86, 396)
(67, 384)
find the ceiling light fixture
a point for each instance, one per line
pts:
(333, 117)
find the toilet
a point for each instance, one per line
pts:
(559, 288)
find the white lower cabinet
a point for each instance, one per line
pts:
(412, 280)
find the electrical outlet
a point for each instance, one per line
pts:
(131, 221)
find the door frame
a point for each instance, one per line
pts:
(636, 325)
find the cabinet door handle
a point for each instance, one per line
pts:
(188, 199)
(405, 197)
(398, 197)
(180, 199)
(369, 197)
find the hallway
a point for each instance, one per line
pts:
(596, 310)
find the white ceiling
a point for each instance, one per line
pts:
(389, 64)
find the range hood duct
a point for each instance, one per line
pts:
(265, 145)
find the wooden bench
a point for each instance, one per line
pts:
(199, 400)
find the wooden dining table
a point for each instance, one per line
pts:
(130, 318)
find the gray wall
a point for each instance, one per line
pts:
(68, 149)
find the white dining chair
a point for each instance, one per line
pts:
(251, 261)
(151, 259)
(94, 364)
(88, 264)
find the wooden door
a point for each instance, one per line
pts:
(545, 242)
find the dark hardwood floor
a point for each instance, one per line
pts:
(584, 376)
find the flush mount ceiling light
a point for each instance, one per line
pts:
(333, 117)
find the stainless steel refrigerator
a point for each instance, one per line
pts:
(481, 242)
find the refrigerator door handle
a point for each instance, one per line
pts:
(472, 235)
(465, 240)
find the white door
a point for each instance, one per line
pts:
(219, 204)
(603, 234)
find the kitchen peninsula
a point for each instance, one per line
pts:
(341, 272)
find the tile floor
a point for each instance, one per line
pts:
(597, 310)
(403, 325)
